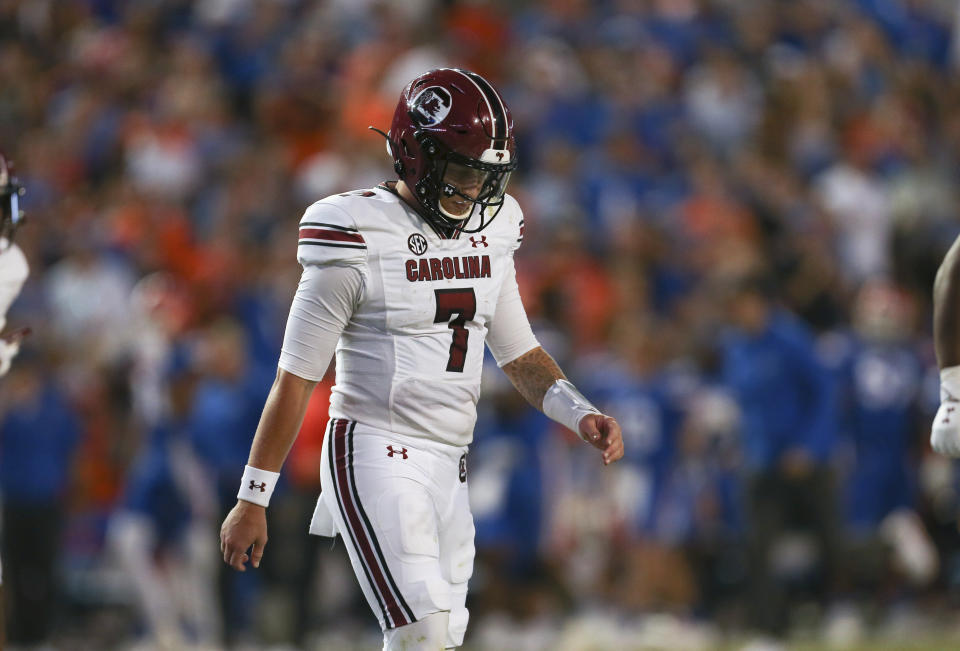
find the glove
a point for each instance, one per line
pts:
(945, 433)
(8, 350)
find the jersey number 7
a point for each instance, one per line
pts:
(463, 303)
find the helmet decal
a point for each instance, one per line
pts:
(431, 106)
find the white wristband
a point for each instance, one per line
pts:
(950, 383)
(564, 404)
(257, 485)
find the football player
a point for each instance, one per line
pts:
(945, 433)
(406, 282)
(13, 273)
(13, 264)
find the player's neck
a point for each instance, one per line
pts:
(403, 191)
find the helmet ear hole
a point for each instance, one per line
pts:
(429, 145)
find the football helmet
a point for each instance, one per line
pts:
(452, 143)
(10, 191)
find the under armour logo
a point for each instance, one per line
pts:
(401, 451)
(475, 242)
(262, 486)
(499, 155)
(946, 419)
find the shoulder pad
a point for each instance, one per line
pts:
(329, 235)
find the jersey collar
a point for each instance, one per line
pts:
(443, 234)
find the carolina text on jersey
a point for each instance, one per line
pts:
(467, 266)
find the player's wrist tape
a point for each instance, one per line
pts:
(564, 404)
(950, 383)
(257, 485)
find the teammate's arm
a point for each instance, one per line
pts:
(321, 308)
(945, 434)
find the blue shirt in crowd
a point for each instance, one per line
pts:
(649, 417)
(506, 469)
(152, 489)
(37, 442)
(879, 389)
(783, 391)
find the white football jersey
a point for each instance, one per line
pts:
(410, 357)
(13, 273)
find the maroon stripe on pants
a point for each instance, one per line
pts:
(363, 541)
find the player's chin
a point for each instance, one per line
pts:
(458, 209)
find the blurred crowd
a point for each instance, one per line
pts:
(734, 213)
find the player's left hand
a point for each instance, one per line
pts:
(603, 433)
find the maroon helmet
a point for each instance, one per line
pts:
(10, 190)
(452, 137)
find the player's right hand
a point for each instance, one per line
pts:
(945, 434)
(244, 527)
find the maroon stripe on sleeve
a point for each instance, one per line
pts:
(325, 234)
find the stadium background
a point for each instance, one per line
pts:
(682, 162)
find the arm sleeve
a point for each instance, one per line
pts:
(324, 302)
(510, 334)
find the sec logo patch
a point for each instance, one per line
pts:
(417, 244)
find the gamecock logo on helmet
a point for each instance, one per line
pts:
(431, 106)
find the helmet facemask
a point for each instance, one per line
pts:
(457, 187)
